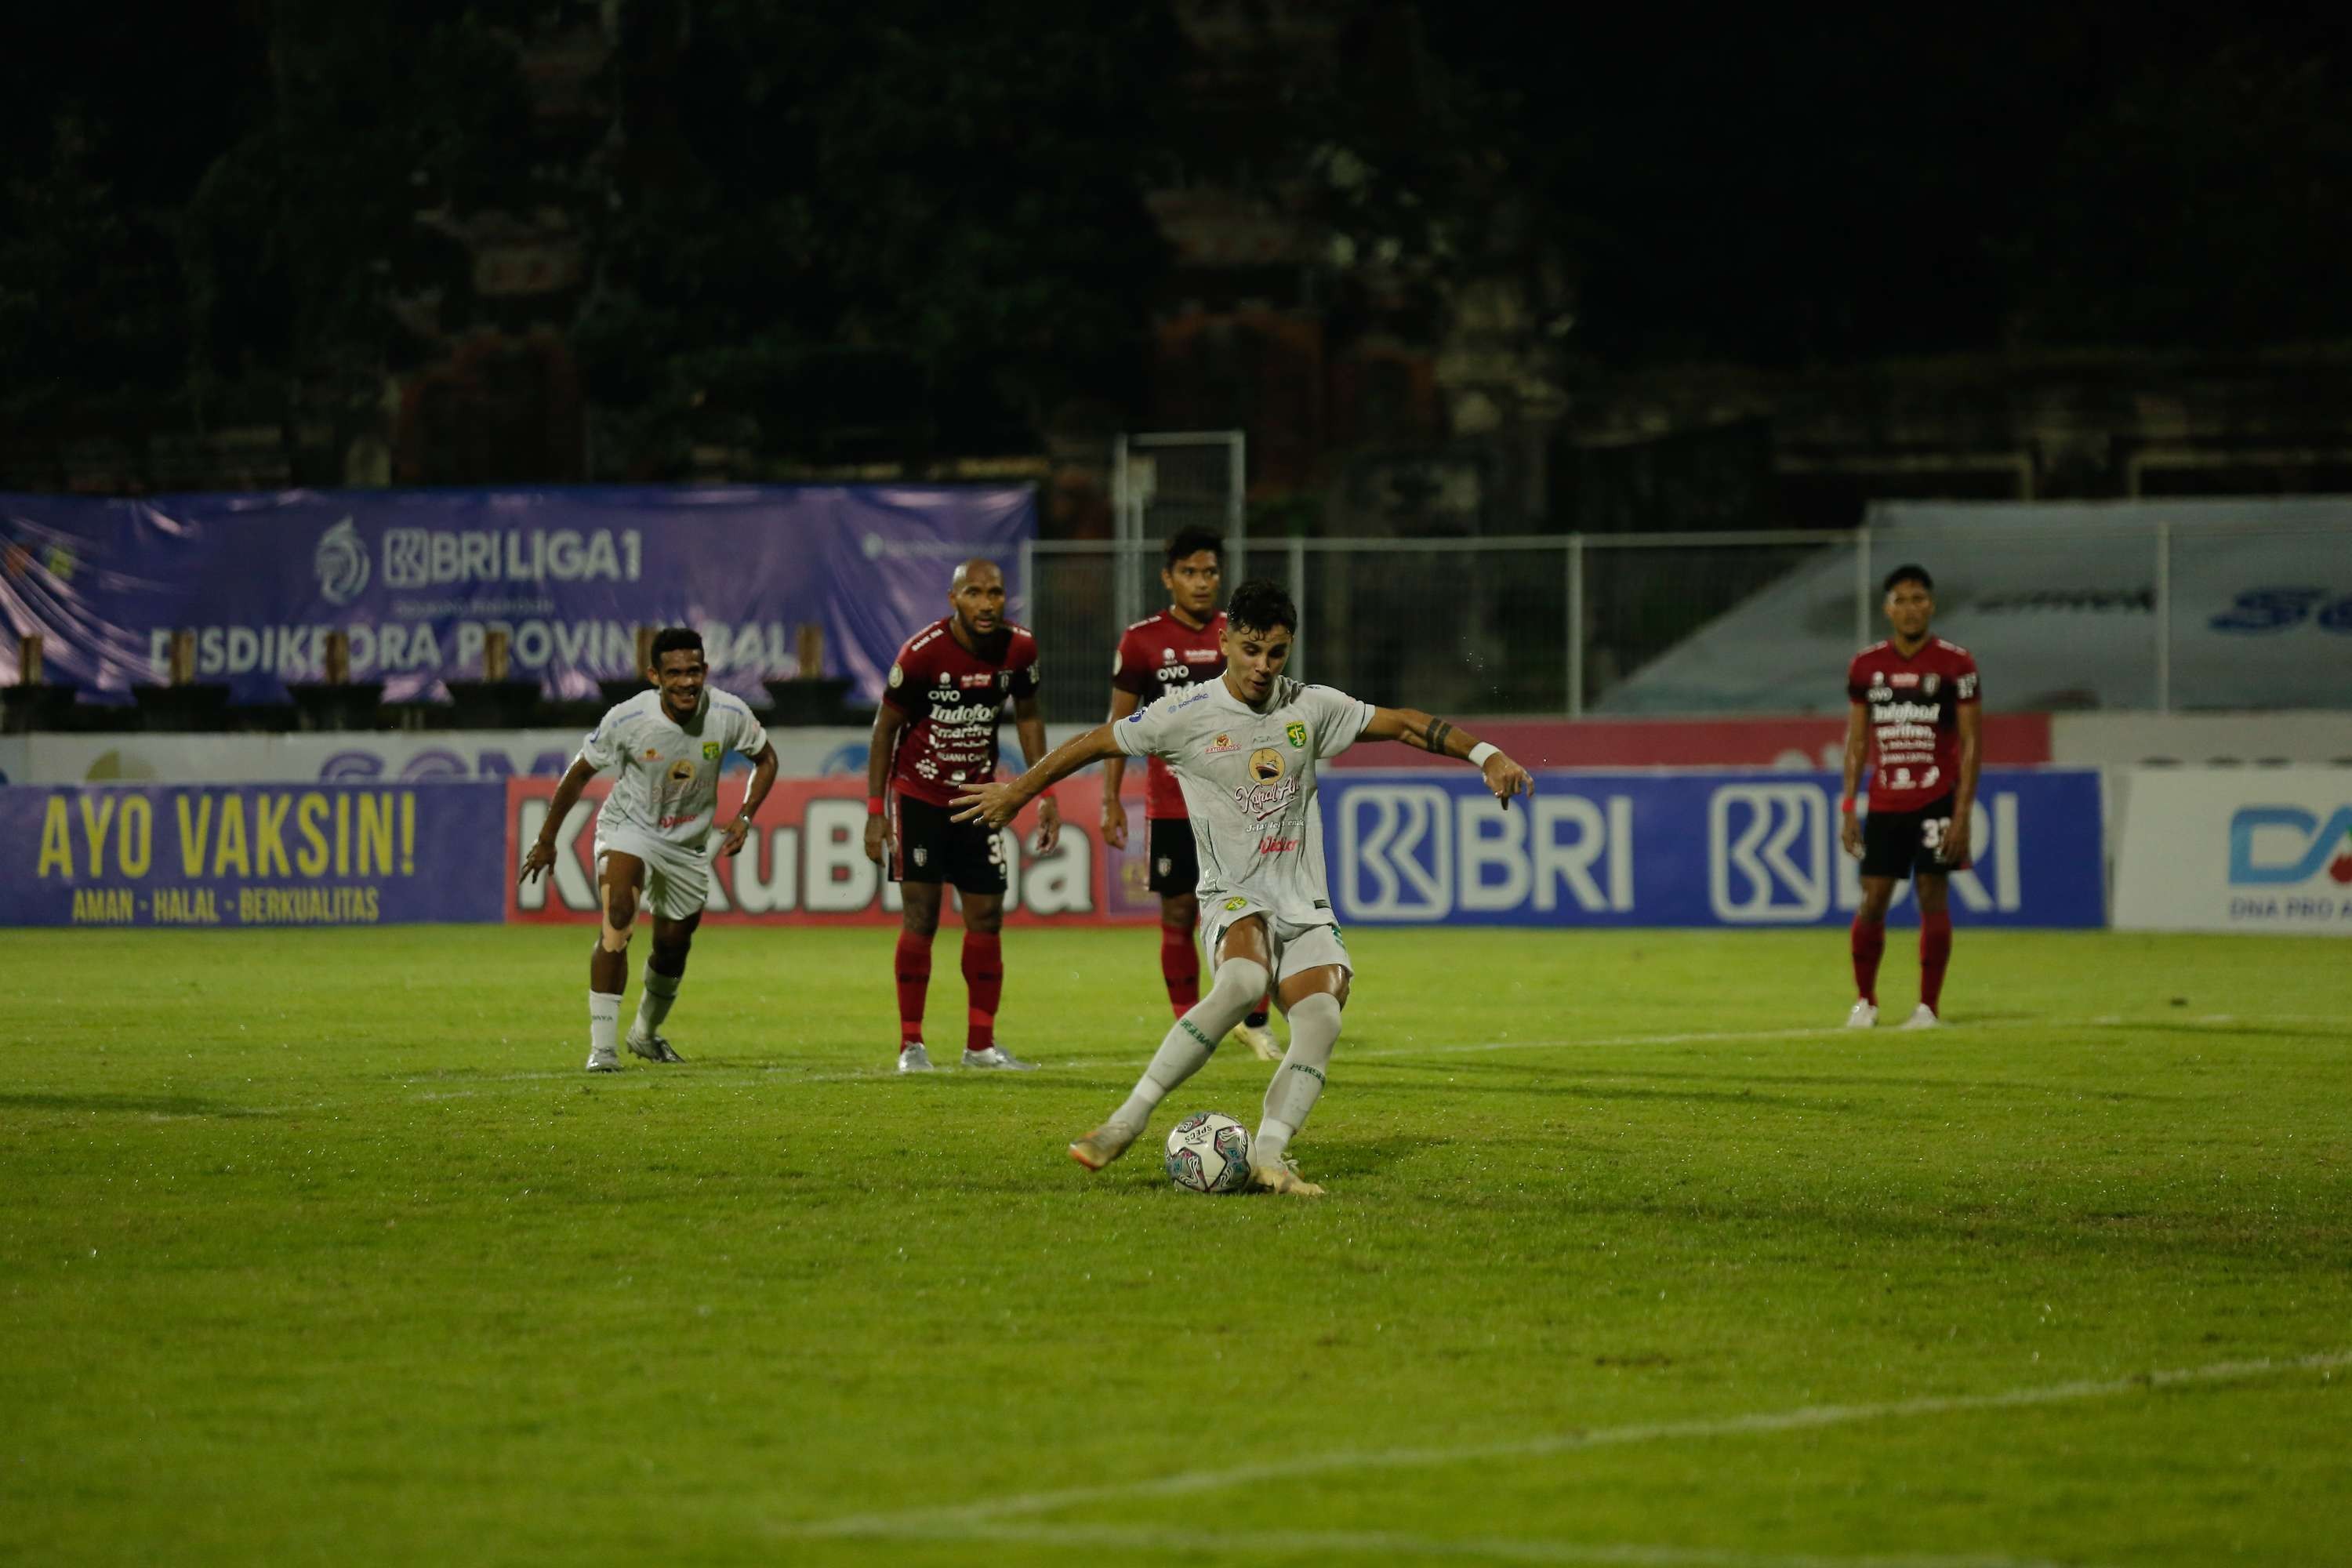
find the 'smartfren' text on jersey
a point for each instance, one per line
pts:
(1248, 780)
(668, 783)
(1159, 654)
(955, 699)
(1915, 719)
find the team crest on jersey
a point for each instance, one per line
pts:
(1266, 765)
(1929, 683)
(1167, 864)
(923, 855)
(709, 751)
(1297, 733)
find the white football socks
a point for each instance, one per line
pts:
(1240, 981)
(653, 1002)
(604, 1022)
(1314, 1031)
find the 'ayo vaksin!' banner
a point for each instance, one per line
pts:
(223, 856)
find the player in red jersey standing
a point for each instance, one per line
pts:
(935, 739)
(1180, 645)
(1916, 695)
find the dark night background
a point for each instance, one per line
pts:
(1640, 267)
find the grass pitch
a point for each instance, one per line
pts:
(318, 1247)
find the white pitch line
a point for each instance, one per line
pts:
(1206, 1545)
(933, 1521)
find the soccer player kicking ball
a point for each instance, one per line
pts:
(1180, 645)
(1917, 696)
(1244, 748)
(667, 744)
(935, 737)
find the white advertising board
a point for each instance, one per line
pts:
(405, 756)
(2235, 850)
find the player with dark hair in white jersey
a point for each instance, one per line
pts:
(668, 746)
(1245, 747)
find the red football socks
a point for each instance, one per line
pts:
(1869, 945)
(1179, 966)
(984, 976)
(1934, 957)
(914, 970)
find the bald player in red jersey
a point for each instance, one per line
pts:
(1914, 695)
(935, 739)
(1180, 645)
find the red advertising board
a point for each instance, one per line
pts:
(805, 860)
(2010, 740)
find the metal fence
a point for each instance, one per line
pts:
(2137, 613)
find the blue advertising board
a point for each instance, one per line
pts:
(1734, 849)
(417, 580)
(224, 855)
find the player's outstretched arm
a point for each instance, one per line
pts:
(997, 804)
(1424, 732)
(540, 859)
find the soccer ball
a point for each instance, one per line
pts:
(1209, 1153)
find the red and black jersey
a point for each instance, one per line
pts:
(1915, 719)
(956, 699)
(1156, 654)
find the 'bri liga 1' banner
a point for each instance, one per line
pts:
(418, 578)
(1722, 849)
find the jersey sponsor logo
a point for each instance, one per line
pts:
(1218, 746)
(1262, 801)
(971, 682)
(681, 771)
(653, 753)
(709, 751)
(965, 713)
(1903, 677)
(1968, 687)
(1199, 653)
(897, 674)
(1167, 656)
(1272, 844)
(1296, 732)
(1266, 764)
(1907, 712)
(1170, 673)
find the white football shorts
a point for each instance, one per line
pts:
(677, 879)
(1296, 948)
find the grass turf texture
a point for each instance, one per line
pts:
(318, 1247)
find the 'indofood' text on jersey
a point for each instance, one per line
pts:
(1248, 779)
(956, 699)
(1915, 719)
(668, 786)
(1158, 655)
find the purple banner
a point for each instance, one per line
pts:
(417, 579)
(216, 855)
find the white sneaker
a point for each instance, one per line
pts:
(1103, 1144)
(996, 1057)
(1280, 1174)
(1922, 1017)
(913, 1058)
(1260, 1041)
(1863, 1015)
(653, 1047)
(603, 1062)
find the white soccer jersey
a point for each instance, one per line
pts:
(1249, 785)
(667, 786)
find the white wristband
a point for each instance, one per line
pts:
(1481, 751)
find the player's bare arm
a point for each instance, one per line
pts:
(1114, 815)
(1029, 723)
(1964, 797)
(763, 776)
(887, 723)
(540, 859)
(1857, 751)
(1425, 732)
(997, 801)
